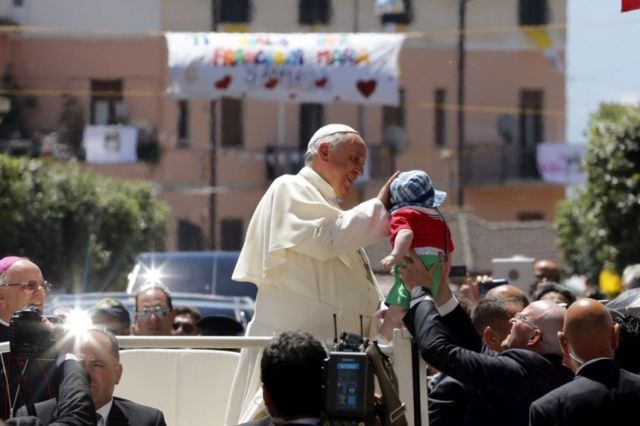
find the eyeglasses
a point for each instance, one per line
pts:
(187, 327)
(521, 317)
(31, 286)
(158, 311)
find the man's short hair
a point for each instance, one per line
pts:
(291, 372)
(489, 312)
(550, 287)
(152, 286)
(188, 310)
(114, 348)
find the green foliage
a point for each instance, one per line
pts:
(83, 230)
(599, 228)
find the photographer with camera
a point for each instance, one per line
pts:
(292, 380)
(21, 285)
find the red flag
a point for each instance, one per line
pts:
(628, 5)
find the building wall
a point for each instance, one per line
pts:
(501, 61)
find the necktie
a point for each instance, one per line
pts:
(100, 419)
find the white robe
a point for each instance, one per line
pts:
(305, 255)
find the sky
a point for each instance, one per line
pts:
(603, 60)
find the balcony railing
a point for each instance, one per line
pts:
(498, 162)
(282, 159)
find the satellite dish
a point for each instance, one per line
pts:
(507, 128)
(395, 138)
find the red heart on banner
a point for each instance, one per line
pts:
(271, 83)
(366, 87)
(223, 83)
(321, 82)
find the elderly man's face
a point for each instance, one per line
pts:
(346, 162)
(22, 288)
(523, 326)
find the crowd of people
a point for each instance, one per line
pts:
(510, 357)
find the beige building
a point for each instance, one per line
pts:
(219, 157)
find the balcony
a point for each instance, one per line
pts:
(491, 163)
(282, 159)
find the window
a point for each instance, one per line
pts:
(232, 135)
(404, 17)
(231, 230)
(533, 12)
(311, 119)
(394, 115)
(233, 11)
(311, 12)
(529, 216)
(394, 135)
(183, 124)
(439, 117)
(107, 105)
(531, 129)
(190, 236)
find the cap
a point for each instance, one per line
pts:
(6, 262)
(329, 130)
(414, 188)
(112, 307)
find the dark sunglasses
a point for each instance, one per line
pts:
(158, 311)
(187, 327)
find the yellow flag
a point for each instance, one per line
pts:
(610, 282)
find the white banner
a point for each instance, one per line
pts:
(561, 163)
(111, 144)
(320, 68)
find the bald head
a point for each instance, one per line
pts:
(589, 331)
(508, 292)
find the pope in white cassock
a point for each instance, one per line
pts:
(305, 255)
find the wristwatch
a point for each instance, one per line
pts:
(418, 292)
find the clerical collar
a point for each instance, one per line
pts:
(318, 181)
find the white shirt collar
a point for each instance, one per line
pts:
(105, 410)
(305, 421)
(3, 323)
(318, 181)
(591, 361)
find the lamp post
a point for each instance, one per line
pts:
(462, 10)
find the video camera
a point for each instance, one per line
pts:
(349, 385)
(29, 337)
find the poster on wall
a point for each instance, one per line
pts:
(561, 163)
(111, 144)
(319, 67)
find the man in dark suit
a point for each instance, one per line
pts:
(502, 386)
(99, 352)
(601, 393)
(74, 406)
(449, 399)
(291, 374)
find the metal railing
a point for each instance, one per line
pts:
(487, 163)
